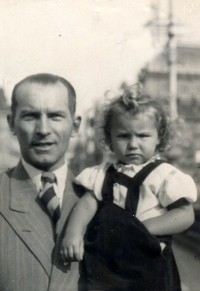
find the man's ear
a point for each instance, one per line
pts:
(10, 120)
(76, 125)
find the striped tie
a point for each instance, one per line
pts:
(48, 196)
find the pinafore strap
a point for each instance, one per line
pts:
(132, 184)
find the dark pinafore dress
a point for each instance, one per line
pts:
(120, 254)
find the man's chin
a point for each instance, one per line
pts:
(44, 161)
(43, 164)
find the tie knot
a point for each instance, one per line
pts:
(48, 177)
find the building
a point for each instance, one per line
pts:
(155, 74)
(155, 79)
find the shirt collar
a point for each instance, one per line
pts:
(136, 168)
(35, 175)
(61, 175)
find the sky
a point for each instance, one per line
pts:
(94, 44)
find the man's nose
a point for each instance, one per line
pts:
(43, 126)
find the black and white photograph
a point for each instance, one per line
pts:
(99, 145)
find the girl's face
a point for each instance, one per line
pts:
(134, 138)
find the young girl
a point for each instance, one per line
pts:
(142, 201)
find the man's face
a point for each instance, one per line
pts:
(43, 124)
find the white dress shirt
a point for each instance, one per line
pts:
(162, 187)
(60, 173)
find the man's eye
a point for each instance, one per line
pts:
(56, 117)
(29, 117)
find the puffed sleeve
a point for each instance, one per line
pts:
(92, 178)
(175, 186)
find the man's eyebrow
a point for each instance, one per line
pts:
(27, 111)
(59, 112)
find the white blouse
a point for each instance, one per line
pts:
(163, 186)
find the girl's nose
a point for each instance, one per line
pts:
(43, 126)
(133, 142)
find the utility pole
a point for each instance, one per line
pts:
(172, 63)
(156, 25)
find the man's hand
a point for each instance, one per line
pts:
(72, 247)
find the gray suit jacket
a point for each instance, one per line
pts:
(29, 247)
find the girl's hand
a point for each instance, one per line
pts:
(72, 247)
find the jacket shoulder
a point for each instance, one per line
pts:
(7, 173)
(5, 179)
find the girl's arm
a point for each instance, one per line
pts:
(72, 247)
(173, 221)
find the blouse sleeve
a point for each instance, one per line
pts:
(92, 178)
(177, 185)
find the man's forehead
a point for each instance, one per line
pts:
(29, 90)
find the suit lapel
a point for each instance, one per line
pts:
(22, 190)
(28, 219)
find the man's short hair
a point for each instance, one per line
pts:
(45, 79)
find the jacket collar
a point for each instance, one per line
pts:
(22, 190)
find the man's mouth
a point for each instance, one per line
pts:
(42, 145)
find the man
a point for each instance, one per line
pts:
(42, 117)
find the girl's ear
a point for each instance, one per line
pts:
(76, 125)
(10, 120)
(111, 146)
(158, 146)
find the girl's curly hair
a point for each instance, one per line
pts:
(134, 101)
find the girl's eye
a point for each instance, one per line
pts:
(122, 136)
(143, 135)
